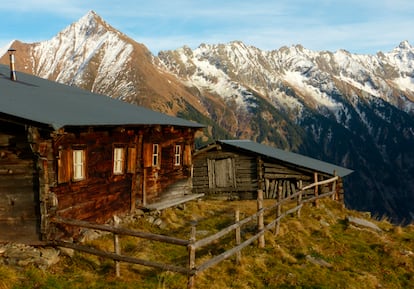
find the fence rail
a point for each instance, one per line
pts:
(191, 270)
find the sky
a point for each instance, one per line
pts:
(358, 26)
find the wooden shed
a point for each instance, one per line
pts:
(75, 154)
(236, 169)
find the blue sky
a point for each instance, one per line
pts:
(359, 26)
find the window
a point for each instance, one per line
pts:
(78, 164)
(119, 160)
(155, 155)
(177, 155)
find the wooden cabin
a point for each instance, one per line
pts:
(75, 154)
(236, 169)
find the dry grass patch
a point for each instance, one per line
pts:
(358, 257)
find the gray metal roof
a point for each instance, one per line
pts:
(58, 105)
(289, 157)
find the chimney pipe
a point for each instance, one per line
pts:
(12, 69)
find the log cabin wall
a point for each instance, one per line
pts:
(167, 160)
(100, 192)
(289, 179)
(225, 174)
(216, 166)
(19, 186)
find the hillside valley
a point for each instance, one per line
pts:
(323, 248)
(355, 111)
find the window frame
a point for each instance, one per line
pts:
(177, 155)
(78, 166)
(118, 160)
(155, 155)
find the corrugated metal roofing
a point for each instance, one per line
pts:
(58, 105)
(289, 157)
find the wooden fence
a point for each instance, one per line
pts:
(193, 245)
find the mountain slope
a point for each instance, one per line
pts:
(327, 247)
(93, 55)
(352, 110)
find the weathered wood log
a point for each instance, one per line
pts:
(191, 257)
(278, 210)
(117, 248)
(272, 187)
(238, 234)
(121, 231)
(267, 187)
(284, 193)
(225, 231)
(288, 192)
(286, 176)
(219, 258)
(121, 258)
(260, 219)
(293, 188)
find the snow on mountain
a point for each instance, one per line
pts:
(3, 50)
(355, 110)
(80, 45)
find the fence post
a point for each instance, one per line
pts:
(315, 203)
(278, 209)
(191, 256)
(300, 198)
(238, 237)
(117, 247)
(335, 194)
(260, 221)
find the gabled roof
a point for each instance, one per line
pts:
(288, 157)
(58, 105)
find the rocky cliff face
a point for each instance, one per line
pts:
(352, 110)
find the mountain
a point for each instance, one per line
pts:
(93, 55)
(353, 110)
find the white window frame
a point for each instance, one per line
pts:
(78, 164)
(155, 155)
(177, 155)
(119, 161)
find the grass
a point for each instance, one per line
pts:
(359, 257)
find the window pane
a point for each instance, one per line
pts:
(155, 156)
(78, 165)
(118, 160)
(177, 155)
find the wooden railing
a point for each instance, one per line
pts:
(193, 245)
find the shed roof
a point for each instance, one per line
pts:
(289, 157)
(58, 105)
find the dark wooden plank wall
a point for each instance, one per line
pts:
(246, 176)
(248, 169)
(159, 178)
(289, 179)
(101, 194)
(245, 170)
(19, 209)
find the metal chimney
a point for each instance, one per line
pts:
(12, 69)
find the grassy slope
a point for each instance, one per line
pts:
(359, 257)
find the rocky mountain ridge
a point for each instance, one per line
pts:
(352, 110)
